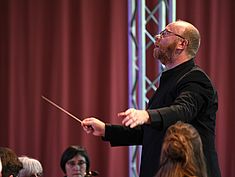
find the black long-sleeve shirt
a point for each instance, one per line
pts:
(185, 93)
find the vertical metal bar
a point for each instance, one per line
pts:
(172, 11)
(130, 70)
(141, 54)
(161, 24)
(162, 16)
(130, 54)
(132, 76)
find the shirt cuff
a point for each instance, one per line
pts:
(155, 119)
(107, 132)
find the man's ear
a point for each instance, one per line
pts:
(182, 44)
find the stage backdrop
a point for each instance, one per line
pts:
(75, 53)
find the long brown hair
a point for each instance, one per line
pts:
(182, 154)
(11, 165)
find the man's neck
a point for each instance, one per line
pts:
(177, 61)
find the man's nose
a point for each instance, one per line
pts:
(157, 38)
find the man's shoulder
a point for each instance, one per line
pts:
(196, 75)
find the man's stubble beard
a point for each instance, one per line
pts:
(166, 54)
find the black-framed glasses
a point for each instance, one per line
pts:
(73, 163)
(36, 175)
(166, 32)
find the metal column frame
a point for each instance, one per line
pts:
(139, 15)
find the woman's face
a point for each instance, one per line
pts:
(76, 167)
(0, 168)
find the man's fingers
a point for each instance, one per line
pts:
(121, 114)
(127, 120)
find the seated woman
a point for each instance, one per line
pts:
(10, 164)
(75, 162)
(0, 166)
(31, 167)
(182, 154)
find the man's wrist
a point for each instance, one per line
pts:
(148, 119)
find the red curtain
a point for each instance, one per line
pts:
(75, 53)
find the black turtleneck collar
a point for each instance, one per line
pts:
(189, 63)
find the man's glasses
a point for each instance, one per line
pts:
(73, 163)
(36, 175)
(166, 32)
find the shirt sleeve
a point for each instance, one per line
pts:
(119, 135)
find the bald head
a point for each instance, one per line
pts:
(190, 33)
